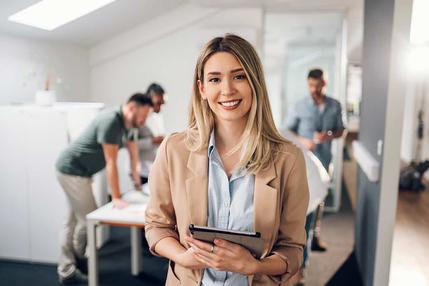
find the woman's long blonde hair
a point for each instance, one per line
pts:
(260, 140)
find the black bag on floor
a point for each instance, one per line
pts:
(410, 178)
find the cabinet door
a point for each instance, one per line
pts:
(14, 215)
(47, 137)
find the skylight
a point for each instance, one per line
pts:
(51, 14)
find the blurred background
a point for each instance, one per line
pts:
(375, 58)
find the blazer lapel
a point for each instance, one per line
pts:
(265, 205)
(196, 187)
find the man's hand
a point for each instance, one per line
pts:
(224, 256)
(119, 203)
(138, 187)
(322, 137)
(308, 144)
(157, 139)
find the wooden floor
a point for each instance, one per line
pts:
(350, 168)
(410, 253)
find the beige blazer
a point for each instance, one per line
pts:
(178, 184)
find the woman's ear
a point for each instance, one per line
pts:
(201, 89)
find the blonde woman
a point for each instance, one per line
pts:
(230, 169)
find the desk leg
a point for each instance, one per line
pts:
(136, 249)
(92, 258)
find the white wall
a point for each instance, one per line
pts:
(302, 58)
(165, 50)
(408, 142)
(416, 98)
(354, 24)
(25, 62)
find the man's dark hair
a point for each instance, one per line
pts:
(155, 88)
(140, 99)
(315, 74)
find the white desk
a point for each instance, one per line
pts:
(132, 216)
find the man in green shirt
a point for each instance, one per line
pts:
(96, 148)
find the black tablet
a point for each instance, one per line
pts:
(250, 240)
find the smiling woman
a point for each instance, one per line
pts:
(226, 89)
(231, 169)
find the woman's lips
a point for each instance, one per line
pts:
(230, 105)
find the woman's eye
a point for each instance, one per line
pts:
(240, 76)
(214, 80)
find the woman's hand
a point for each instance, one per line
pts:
(187, 259)
(226, 256)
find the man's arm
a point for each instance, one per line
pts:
(308, 143)
(110, 155)
(336, 132)
(132, 147)
(292, 123)
(322, 137)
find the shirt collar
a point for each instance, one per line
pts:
(237, 173)
(311, 101)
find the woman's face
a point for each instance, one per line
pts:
(226, 88)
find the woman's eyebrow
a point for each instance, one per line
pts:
(214, 73)
(236, 70)
(218, 73)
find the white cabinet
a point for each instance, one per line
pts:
(14, 235)
(32, 204)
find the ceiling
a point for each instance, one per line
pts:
(275, 5)
(122, 15)
(95, 27)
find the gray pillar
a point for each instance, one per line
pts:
(386, 37)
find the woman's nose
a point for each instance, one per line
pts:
(227, 87)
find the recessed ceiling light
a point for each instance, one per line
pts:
(51, 14)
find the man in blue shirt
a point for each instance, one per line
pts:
(316, 120)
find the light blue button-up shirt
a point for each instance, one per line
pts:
(306, 118)
(230, 206)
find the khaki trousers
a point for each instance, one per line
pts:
(81, 201)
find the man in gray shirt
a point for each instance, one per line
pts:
(96, 148)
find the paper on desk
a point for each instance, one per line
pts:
(136, 197)
(136, 209)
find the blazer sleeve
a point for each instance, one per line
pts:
(160, 215)
(291, 235)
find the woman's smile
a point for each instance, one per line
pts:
(231, 104)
